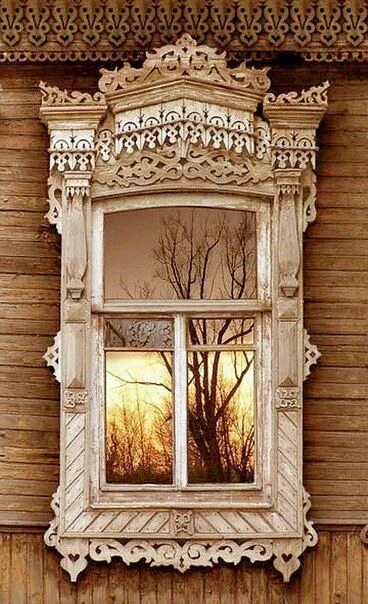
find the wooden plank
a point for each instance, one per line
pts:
(339, 568)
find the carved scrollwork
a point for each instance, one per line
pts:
(185, 58)
(316, 95)
(148, 168)
(181, 556)
(183, 522)
(288, 397)
(52, 95)
(54, 214)
(209, 125)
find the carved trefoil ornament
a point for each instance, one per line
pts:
(184, 129)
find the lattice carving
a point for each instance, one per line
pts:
(311, 354)
(208, 125)
(52, 356)
(117, 30)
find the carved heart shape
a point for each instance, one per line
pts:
(73, 557)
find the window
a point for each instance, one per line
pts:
(181, 354)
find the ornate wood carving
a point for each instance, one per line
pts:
(198, 126)
(115, 30)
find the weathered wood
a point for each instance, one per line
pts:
(336, 571)
(337, 327)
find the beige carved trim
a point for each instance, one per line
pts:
(52, 356)
(311, 354)
(116, 30)
(181, 556)
(184, 123)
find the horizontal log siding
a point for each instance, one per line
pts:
(336, 266)
(335, 572)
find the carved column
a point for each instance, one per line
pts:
(293, 120)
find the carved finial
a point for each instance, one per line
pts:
(188, 59)
(52, 95)
(316, 95)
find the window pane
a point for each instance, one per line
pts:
(220, 332)
(139, 417)
(180, 253)
(139, 333)
(221, 417)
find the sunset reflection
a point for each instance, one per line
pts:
(139, 417)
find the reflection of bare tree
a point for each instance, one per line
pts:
(215, 259)
(139, 439)
(202, 260)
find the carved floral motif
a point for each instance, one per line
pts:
(183, 521)
(148, 168)
(75, 400)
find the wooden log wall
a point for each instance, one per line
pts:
(336, 572)
(336, 420)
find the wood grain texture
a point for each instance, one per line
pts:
(336, 271)
(336, 571)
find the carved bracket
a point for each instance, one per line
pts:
(52, 356)
(311, 354)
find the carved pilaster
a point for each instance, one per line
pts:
(77, 197)
(289, 246)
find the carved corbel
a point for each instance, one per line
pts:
(288, 191)
(76, 192)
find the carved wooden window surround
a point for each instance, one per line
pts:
(182, 131)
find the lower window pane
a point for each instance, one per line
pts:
(221, 416)
(139, 417)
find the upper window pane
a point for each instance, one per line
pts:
(180, 253)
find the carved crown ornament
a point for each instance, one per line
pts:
(114, 30)
(185, 124)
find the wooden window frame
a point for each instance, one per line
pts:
(260, 308)
(135, 143)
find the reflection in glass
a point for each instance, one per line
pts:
(139, 415)
(220, 332)
(221, 416)
(180, 253)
